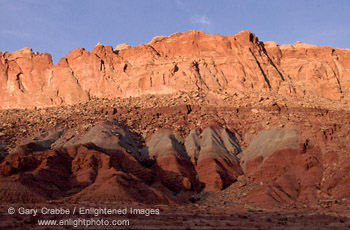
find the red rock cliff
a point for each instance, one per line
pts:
(186, 61)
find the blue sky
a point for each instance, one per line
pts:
(58, 26)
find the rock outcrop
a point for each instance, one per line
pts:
(104, 164)
(265, 144)
(227, 120)
(171, 161)
(186, 61)
(217, 164)
(303, 162)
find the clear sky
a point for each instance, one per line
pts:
(58, 26)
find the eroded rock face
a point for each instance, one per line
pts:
(217, 163)
(290, 173)
(267, 142)
(29, 79)
(104, 164)
(183, 61)
(288, 177)
(172, 162)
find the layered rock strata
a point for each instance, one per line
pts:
(186, 61)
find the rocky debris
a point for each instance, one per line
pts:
(146, 113)
(188, 152)
(188, 61)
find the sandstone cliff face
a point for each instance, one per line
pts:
(29, 79)
(186, 61)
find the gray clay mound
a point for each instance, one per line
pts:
(165, 143)
(269, 141)
(230, 141)
(39, 143)
(107, 136)
(192, 145)
(218, 143)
